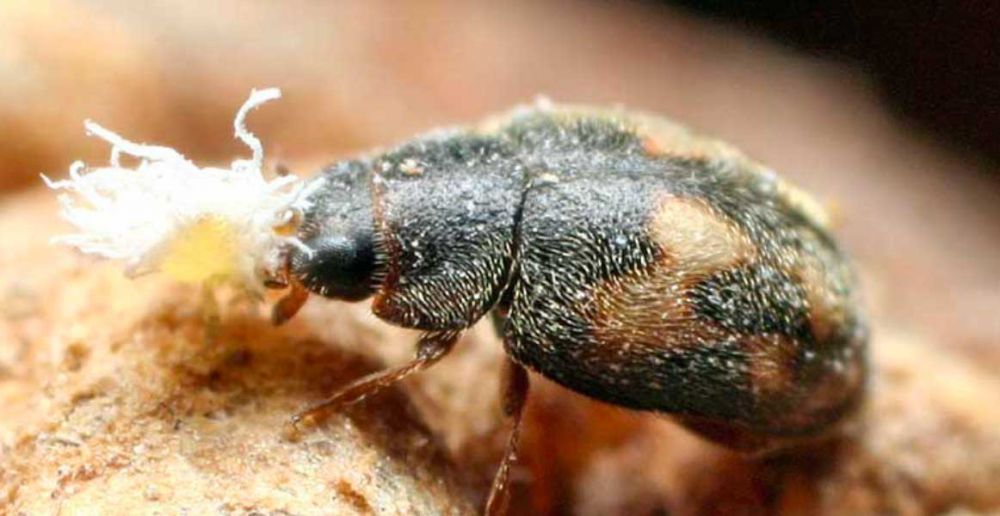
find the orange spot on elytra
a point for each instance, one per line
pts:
(695, 238)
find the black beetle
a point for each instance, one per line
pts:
(625, 258)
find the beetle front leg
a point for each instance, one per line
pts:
(431, 348)
(291, 303)
(515, 394)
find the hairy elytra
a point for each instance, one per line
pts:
(625, 258)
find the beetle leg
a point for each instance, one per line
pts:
(289, 305)
(210, 313)
(431, 348)
(515, 393)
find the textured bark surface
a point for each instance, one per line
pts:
(118, 397)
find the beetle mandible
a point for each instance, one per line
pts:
(624, 257)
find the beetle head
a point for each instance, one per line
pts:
(338, 256)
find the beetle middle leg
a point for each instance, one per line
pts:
(515, 394)
(431, 348)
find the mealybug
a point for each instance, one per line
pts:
(623, 257)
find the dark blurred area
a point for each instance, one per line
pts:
(937, 62)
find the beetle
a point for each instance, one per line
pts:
(623, 257)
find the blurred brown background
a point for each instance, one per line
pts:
(886, 116)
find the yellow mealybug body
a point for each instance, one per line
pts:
(206, 250)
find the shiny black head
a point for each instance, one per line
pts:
(340, 266)
(339, 229)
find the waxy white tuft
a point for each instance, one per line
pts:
(135, 215)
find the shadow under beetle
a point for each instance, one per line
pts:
(625, 258)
